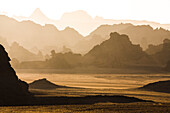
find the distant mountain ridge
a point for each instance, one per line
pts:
(82, 21)
(31, 35)
(140, 34)
(20, 53)
(163, 56)
(69, 37)
(38, 15)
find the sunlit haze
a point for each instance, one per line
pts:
(151, 10)
(85, 56)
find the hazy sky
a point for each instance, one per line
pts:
(152, 10)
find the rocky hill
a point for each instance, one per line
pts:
(117, 51)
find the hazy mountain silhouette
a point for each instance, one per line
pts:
(167, 67)
(163, 56)
(31, 35)
(86, 45)
(13, 90)
(152, 49)
(66, 50)
(141, 34)
(4, 42)
(39, 17)
(82, 21)
(64, 60)
(98, 36)
(116, 52)
(22, 54)
(72, 16)
(160, 86)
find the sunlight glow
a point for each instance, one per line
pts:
(151, 10)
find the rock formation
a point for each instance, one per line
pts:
(44, 84)
(140, 34)
(167, 67)
(22, 54)
(12, 89)
(163, 56)
(152, 49)
(160, 86)
(117, 51)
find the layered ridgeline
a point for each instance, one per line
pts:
(22, 54)
(13, 91)
(48, 37)
(82, 21)
(163, 56)
(29, 34)
(4, 42)
(116, 52)
(161, 52)
(141, 34)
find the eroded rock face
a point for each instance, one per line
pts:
(11, 88)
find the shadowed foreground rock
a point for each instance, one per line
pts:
(13, 91)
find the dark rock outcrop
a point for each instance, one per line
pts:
(44, 84)
(12, 89)
(160, 86)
